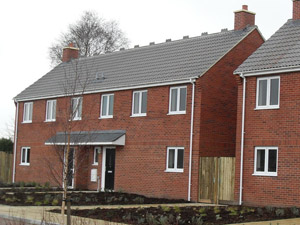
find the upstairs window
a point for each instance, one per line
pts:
(51, 110)
(266, 161)
(139, 103)
(177, 100)
(107, 106)
(27, 114)
(76, 104)
(267, 94)
(25, 156)
(175, 159)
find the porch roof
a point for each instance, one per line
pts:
(99, 137)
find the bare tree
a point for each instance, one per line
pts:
(76, 80)
(92, 35)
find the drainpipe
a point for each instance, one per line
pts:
(15, 144)
(191, 139)
(242, 138)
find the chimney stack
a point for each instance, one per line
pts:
(243, 18)
(296, 9)
(69, 53)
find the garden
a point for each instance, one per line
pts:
(34, 194)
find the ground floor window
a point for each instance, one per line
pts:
(96, 155)
(25, 156)
(265, 162)
(175, 159)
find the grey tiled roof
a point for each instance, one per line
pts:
(282, 50)
(81, 137)
(170, 61)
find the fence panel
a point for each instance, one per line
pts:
(6, 160)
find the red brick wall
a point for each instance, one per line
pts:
(219, 101)
(140, 164)
(273, 127)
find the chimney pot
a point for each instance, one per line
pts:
(70, 52)
(168, 40)
(296, 9)
(136, 46)
(186, 37)
(152, 43)
(243, 18)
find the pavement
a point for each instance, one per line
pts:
(29, 215)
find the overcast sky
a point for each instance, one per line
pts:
(29, 27)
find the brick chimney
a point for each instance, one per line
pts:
(296, 9)
(69, 53)
(243, 18)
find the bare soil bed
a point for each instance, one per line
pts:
(50, 197)
(188, 215)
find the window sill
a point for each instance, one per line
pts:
(262, 108)
(27, 121)
(138, 115)
(265, 174)
(106, 117)
(49, 121)
(174, 171)
(176, 113)
(24, 164)
(95, 164)
(75, 119)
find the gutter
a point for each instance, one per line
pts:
(191, 139)
(15, 142)
(269, 71)
(242, 139)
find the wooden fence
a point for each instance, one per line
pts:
(6, 164)
(216, 179)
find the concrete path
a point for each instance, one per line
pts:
(39, 215)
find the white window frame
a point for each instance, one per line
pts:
(265, 172)
(27, 113)
(76, 115)
(175, 169)
(25, 163)
(140, 104)
(51, 119)
(106, 116)
(96, 153)
(178, 101)
(267, 106)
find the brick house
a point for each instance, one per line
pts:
(268, 147)
(143, 118)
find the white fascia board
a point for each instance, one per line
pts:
(120, 142)
(149, 85)
(270, 71)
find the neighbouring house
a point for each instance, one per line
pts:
(142, 118)
(268, 128)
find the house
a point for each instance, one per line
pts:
(268, 147)
(141, 118)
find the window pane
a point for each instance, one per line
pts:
(54, 110)
(111, 105)
(104, 105)
(144, 102)
(48, 111)
(171, 158)
(272, 160)
(260, 160)
(262, 93)
(30, 111)
(136, 101)
(28, 155)
(79, 110)
(182, 99)
(174, 100)
(96, 155)
(274, 91)
(23, 155)
(180, 159)
(74, 106)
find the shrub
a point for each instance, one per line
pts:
(55, 202)
(295, 211)
(165, 208)
(279, 212)
(38, 203)
(151, 219)
(197, 220)
(138, 200)
(47, 185)
(177, 209)
(29, 199)
(163, 220)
